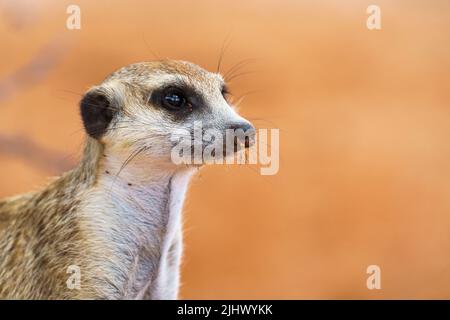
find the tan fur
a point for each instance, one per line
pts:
(40, 235)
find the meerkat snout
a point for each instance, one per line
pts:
(246, 133)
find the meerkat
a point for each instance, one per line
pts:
(116, 217)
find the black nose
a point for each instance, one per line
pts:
(244, 132)
(244, 126)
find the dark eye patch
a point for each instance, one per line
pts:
(179, 100)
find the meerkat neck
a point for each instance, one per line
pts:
(88, 168)
(133, 214)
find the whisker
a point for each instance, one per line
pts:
(156, 55)
(224, 48)
(72, 92)
(238, 66)
(130, 158)
(240, 75)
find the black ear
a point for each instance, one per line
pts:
(96, 113)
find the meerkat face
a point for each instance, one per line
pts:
(147, 107)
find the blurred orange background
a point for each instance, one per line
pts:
(364, 119)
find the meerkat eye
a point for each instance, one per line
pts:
(173, 99)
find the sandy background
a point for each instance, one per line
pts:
(365, 127)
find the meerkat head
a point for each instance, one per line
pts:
(142, 107)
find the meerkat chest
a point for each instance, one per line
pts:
(133, 226)
(147, 208)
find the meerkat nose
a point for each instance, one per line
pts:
(241, 126)
(248, 130)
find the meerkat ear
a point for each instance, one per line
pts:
(97, 112)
